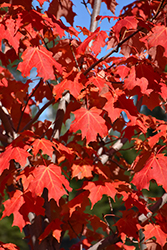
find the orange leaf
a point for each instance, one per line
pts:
(90, 123)
(72, 82)
(98, 189)
(82, 168)
(12, 206)
(40, 58)
(8, 246)
(9, 33)
(49, 177)
(155, 231)
(12, 152)
(155, 168)
(45, 145)
(81, 49)
(20, 205)
(158, 36)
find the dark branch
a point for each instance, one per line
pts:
(38, 114)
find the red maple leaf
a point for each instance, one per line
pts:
(79, 201)
(99, 82)
(20, 205)
(128, 224)
(90, 123)
(99, 42)
(152, 230)
(42, 144)
(118, 102)
(12, 206)
(42, 1)
(113, 112)
(158, 36)
(122, 71)
(13, 152)
(8, 246)
(54, 227)
(155, 168)
(72, 82)
(82, 168)
(81, 49)
(31, 204)
(62, 8)
(111, 4)
(130, 22)
(161, 132)
(34, 18)
(40, 58)
(9, 32)
(131, 82)
(98, 189)
(49, 177)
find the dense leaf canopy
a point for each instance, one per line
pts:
(54, 173)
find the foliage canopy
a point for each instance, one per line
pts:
(54, 179)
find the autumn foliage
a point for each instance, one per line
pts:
(54, 177)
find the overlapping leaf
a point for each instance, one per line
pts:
(20, 205)
(152, 230)
(90, 123)
(98, 189)
(63, 8)
(155, 168)
(13, 152)
(40, 58)
(9, 32)
(111, 4)
(42, 144)
(129, 22)
(158, 36)
(49, 177)
(82, 168)
(72, 82)
(55, 228)
(8, 246)
(81, 49)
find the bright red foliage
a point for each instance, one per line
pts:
(67, 176)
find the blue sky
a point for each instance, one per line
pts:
(83, 18)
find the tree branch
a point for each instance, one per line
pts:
(142, 218)
(85, 4)
(115, 50)
(60, 115)
(8, 126)
(95, 13)
(38, 114)
(36, 87)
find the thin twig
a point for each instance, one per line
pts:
(115, 50)
(72, 51)
(26, 105)
(38, 114)
(86, 6)
(7, 121)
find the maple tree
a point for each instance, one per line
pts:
(53, 178)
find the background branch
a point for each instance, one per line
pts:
(38, 114)
(95, 13)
